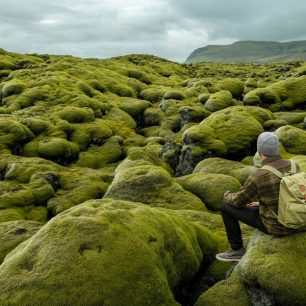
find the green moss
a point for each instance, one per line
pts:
(153, 94)
(263, 97)
(76, 114)
(13, 134)
(122, 90)
(232, 131)
(139, 75)
(115, 114)
(203, 97)
(58, 150)
(11, 214)
(266, 259)
(151, 185)
(37, 213)
(37, 192)
(228, 292)
(137, 141)
(98, 156)
(274, 124)
(152, 116)
(293, 139)
(36, 125)
(85, 134)
(209, 187)
(13, 233)
(86, 89)
(291, 91)
(132, 106)
(235, 86)
(118, 250)
(219, 100)
(223, 166)
(192, 114)
(292, 118)
(174, 94)
(12, 87)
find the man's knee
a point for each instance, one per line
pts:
(225, 208)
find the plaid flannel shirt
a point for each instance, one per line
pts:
(263, 186)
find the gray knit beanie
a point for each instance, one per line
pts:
(267, 144)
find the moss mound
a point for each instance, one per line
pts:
(293, 139)
(231, 131)
(140, 181)
(268, 256)
(235, 86)
(209, 187)
(15, 232)
(224, 166)
(118, 250)
(219, 100)
(227, 292)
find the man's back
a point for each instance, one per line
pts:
(268, 194)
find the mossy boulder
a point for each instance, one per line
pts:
(209, 188)
(294, 118)
(13, 233)
(231, 131)
(192, 114)
(121, 89)
(77, 185)
(134, 107)
(231, 292)
(56, 149)
(13, 134)
(153, 94)
(112, 252)
(139, 75)
(92, 133)
(293, 139)
(13, 87)
(152, 116)
(149, 184)
(235, 86)
(281, 257)
(37, 192)
(274, 124)
(97, 156)
(37, 125)
(76, 114)
(203, 97)
(223, 166)
(267, 257)
(291, 91)
(263, 97)
(174, 94)
(219, 100)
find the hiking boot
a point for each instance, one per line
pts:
(231, 255)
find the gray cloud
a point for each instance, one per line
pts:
(167, 28)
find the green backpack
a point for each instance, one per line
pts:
(292, 197)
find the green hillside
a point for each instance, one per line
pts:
(112, 175)
(250, 51)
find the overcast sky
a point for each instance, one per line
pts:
(168, 28)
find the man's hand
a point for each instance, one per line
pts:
(253, 204)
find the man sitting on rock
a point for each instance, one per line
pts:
(263, 186)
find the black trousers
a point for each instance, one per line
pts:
(232, 215)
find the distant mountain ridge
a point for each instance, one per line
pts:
(250, 51)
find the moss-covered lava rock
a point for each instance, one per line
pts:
(112, 252)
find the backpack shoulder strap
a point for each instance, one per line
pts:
(293, 167)
(273, 170)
